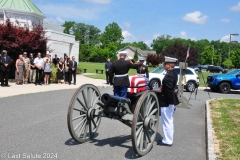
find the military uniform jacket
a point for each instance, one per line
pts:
(143, 69)
(168, 95)
(121, 67)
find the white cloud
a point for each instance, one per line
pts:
(195, 17)
(193, 38)
(126, 34)
(57, 20)
(127, 24)
(148, 42)
(225, 20)
(183, 34)
(236, 7)
(67, 12)
(99, 1)
(128, 37)
(156, 35)
(225, 38)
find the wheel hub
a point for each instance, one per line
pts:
(148, 123)
(90, 113)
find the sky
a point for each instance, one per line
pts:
(144, 20)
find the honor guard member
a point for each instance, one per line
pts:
(142, 70)
(168, 101)
(120, 70)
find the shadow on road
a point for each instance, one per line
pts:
(71, 142)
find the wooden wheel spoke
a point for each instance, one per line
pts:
(77, 117)
(92, 99)
(85, 130)
(97, 106)
(140, 115)
(148, 102)
(85, 99)
(79, 101)
(79, 124)
(154, 111)
(80, 132)
(148, 137)
(139, 123)
(139, 130)
(150, 108)
(139, 139)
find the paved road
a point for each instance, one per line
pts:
(37, 124)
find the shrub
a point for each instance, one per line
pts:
(53, 76)
(79, 69)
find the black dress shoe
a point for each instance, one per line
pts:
(163, 144)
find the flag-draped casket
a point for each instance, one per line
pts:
(137, 84)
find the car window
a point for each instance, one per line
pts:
(233, 72)
(189, 72)
(158, 70)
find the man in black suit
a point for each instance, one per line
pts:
(5, 63)
(120, 70)
(168, 101)
(72, 68)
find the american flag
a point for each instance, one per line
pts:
(188, 52)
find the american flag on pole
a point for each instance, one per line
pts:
(188, 52)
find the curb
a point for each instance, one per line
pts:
(209, 134)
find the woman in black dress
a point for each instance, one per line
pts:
(67, 71)
(60, 67)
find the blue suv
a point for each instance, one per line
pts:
(224, 82)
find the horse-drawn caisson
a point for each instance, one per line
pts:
(139, 110)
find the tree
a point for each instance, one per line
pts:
(88, 35)
(112, 33)
(153, 59)
(68, 27)
(179, 51)
(135, 55)
(17, 39)
(160, 43)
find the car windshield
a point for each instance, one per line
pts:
(158, 70)
(233, 72)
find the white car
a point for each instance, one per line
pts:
(157, 75)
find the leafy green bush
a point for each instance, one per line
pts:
(53, 76)
(79, 69)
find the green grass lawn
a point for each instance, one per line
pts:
(91, 68)
(225, 114)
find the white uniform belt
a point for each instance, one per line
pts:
(121, 75)
(141, 74)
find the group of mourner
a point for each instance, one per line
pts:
(37, 70)
(117, 75)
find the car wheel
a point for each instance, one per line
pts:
(190, 86)
(213, 89)
(224, 87)
(154, 84)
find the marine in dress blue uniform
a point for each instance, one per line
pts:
(142, 70)
(119, 71)
(167, 101)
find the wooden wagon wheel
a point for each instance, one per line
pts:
(82, 124)
(145, 122)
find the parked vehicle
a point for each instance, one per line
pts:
(224, 82)
(216, 69)
(157, 75)
(194, 67)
